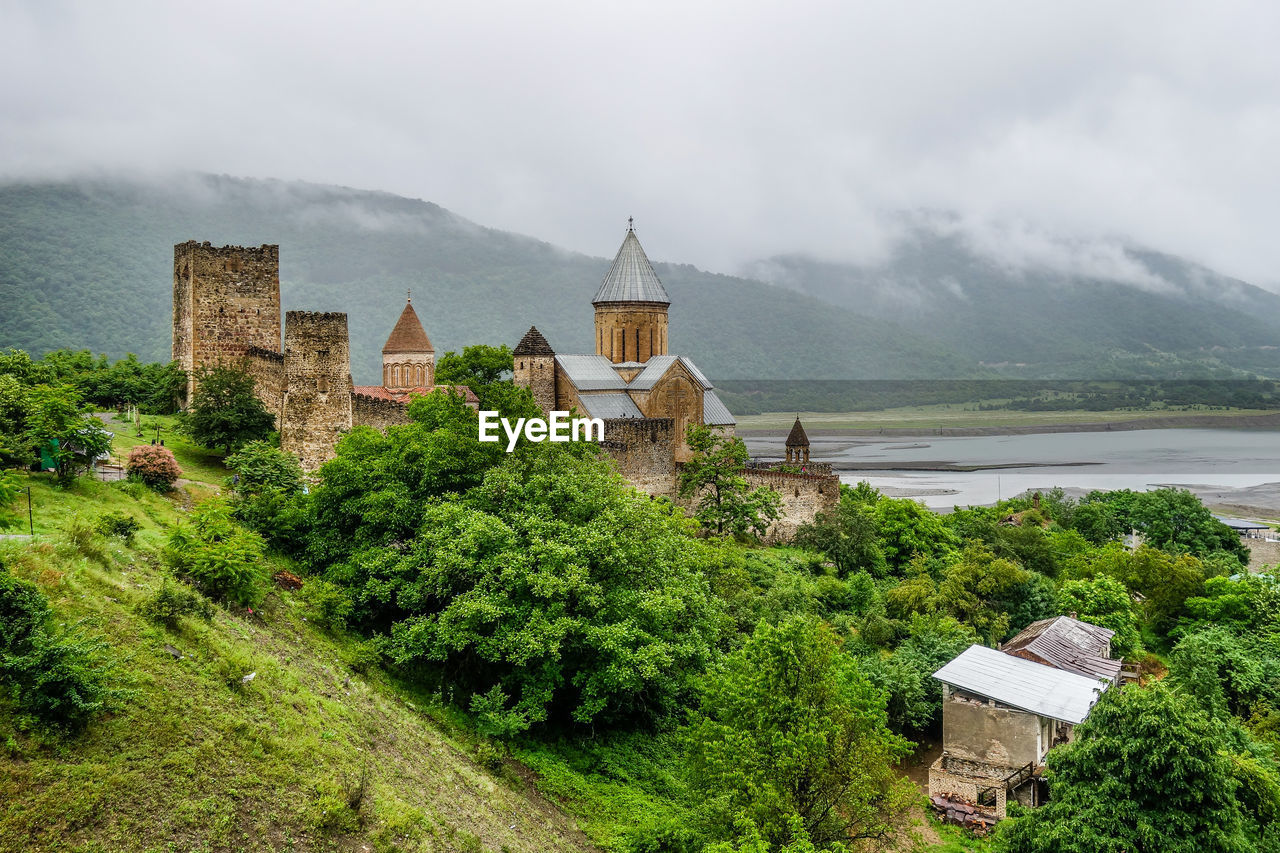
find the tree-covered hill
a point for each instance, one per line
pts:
(89, 264)
(1060, 310)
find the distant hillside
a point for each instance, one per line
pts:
(1029, 310)
(89, 264)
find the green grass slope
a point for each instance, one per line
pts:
(317, 752)
(90, 264)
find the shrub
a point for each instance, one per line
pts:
(57, 683)
(84, 540)
(226, 561)
(154, 465)
(327, 603)
(119, 525)
(172, 601)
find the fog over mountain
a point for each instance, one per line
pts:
(89, 264)
(732, 132)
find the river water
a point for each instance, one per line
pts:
(1223, 466)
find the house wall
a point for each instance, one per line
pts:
(974, 730)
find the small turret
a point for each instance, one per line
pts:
(535, 368)
(797, 445)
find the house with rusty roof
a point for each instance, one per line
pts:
(1004, 709)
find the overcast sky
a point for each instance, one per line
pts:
(731, 131)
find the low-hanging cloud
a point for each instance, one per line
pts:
(730, 131)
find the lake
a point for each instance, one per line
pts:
(1224, 466)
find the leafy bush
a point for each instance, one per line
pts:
(172, 601)
(57, 683)
(153, 465)
(226, 561)
(119, 525)
(327, 604)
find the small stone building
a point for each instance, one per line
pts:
(1001, 714)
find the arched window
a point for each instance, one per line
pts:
(395, 376)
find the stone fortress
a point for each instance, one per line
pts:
(226, 310)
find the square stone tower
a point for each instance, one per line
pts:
(317, 376)
(226, 300)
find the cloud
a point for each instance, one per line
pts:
(731, 131)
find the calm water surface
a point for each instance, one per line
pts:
(1209, 459)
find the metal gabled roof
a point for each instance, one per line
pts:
(697, 374)
(1022, 684)
(1069, 644)
(654, 369)
(590, 372)
(609, 404)
(714, 412)
(631, 278)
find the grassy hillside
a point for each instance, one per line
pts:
(196, 760)
(90, 264)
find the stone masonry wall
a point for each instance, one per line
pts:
(317, 402)
(225, 300)
(642, 450)
(631, 331)
(803, 496)
(267, 369)
(538, 374)
(377, 412)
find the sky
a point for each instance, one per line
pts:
(730, 131)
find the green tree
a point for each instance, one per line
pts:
(58, 423)
(1146, 772)
(978, 588)
(907, 528)
(487, 370)
(550, 592)
(791, 742)
(9, 491)
(714, 475)
(1103, 601)
(848, 534)
(226, 561)
(225, 412)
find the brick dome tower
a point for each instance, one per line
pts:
(631, 307)
(408, 359)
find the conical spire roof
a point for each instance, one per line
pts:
(631, 278)
(533, 343)
(408, 335)
(797, 437)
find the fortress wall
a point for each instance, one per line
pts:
(226, 299)
(377, 412)
(803, 496)
(267, 369)
(317, 406)
(643, 450)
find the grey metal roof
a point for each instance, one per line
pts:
(590, 372)
(697, 374)
(654, 369)
(609, 404)
(715, 412)
(1023, 684)
(1242, 523)
(631, 278)
(1069, 644)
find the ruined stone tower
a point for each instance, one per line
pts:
(631, 307)
(535, 368)
(317, 399)
(408, 359)
(226, 300)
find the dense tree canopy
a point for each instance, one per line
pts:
(225, 412)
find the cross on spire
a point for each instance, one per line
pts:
(408, 296)
(631, 223)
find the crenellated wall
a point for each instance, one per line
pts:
(803, 496)
(267, 369)
(377, 412)
(642, 450)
